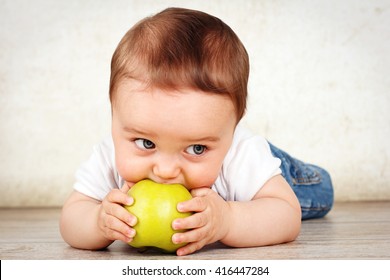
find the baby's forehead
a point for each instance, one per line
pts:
(185, 112)
(140, 91)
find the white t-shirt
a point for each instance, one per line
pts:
(247, 166)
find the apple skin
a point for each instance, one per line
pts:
(155, 208)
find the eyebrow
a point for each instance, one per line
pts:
(205, 139)
(193, 140)
(137, 131)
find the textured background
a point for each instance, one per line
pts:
(319, 86)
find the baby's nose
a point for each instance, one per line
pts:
(166, 168)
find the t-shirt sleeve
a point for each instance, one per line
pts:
(97, 176)
(248, 165)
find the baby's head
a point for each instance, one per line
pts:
(181, 48)
(178, 89)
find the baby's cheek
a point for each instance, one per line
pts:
(129, 171)
(204, 179)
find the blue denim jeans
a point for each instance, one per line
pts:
(311, 184)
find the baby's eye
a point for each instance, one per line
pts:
(196, 149)
(144, 144)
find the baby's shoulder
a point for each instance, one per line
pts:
(244, 139)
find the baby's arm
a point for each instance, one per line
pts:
(87, 223)
(273, 216)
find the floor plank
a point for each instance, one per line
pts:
(352, 230)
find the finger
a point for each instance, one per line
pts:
(201, 192)
(195, 221)
(116, 229)
(197, 204)
(119, 212)
(190, 248)
(117, 196)
(126, 187)
(190, 236)
(127, 217)
(115, 235)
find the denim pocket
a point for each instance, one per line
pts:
(316, 199)
(311, 184)
(304, 174)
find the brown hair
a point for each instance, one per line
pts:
(184, 48)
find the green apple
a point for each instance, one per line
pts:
(155, 208)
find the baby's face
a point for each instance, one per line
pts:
(171, 136)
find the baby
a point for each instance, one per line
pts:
(178, 91)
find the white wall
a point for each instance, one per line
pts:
(319, 86)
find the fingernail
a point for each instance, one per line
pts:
(131, 233)
(180, 207)
(176, 239)
(175, 225)
(129, 201)
(180, 252)
(129, 239)
(132, 221)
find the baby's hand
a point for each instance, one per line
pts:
(209, 223)
(115, 222)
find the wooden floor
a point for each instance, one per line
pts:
(354, 230)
